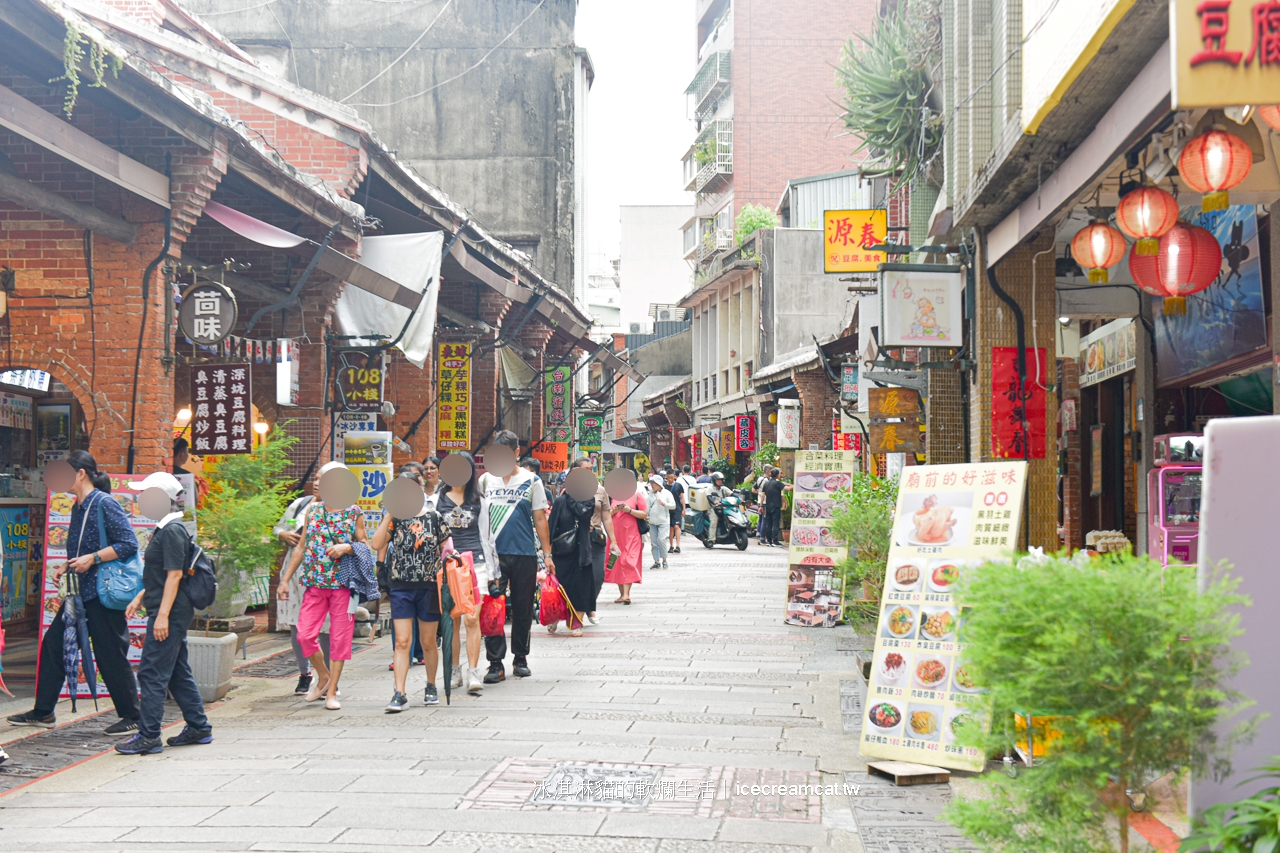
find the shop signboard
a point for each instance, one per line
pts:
(949, 520)
(57, 520)
(849, 382)
(15, 411)
(920, 307)
(345, 422)
(221, 396)
(360, 378)
(744, 432)
(726, 451)
(842, 439)
(53, 432)
(207, 313)
(788, 427)
(589, 433)
(32, 380)
(815, 591)
(847, 238)
(368, 455)
(558, 387)
(1108, 351)
(554, 456)
(1226, 52)
(1009, 439)
(287, 372)
(15, 525)
(453, 387)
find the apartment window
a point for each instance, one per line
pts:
(724, 219)
(726, 381)
(714, 392)
(746, 370)
(690, 237)
(737, 379)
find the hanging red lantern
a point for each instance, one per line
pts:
(1146, 214)
(1271, 115)
(1213, 163)
(1188, 261)
(1097, 247)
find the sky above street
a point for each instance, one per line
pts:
(637, 132)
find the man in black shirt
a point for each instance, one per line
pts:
(677, 518)
(164, 654)
(181, 455)
(772, 491)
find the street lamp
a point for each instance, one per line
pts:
(261, 428)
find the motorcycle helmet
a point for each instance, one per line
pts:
(717, 478)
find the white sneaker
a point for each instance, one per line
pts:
(456, 681)
(594, 620)
(475, 683)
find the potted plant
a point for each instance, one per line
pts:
(246, 496)
(1129, 662)
(863, 519)
(1245, 826)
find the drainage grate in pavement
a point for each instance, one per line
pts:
(903, 820)
(57, 749)
(689, 790)
(852, 696)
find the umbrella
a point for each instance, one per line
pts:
(75, 649)
(446, 633)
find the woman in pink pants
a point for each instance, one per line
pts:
(328, 537)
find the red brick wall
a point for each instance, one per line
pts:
(785, 100)
(817, 400)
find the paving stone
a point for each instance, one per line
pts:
(140, 814)
(655, 826)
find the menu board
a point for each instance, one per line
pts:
(368, 455)
(815, 593)
(14, 528)
(58, 518)
(949, 519)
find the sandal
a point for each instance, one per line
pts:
(576, 632)
(627, 601)
(619, 601)
(551, 629)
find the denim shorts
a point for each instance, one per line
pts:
(421, 604)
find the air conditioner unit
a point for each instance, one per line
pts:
(635, 328)
(668, 315)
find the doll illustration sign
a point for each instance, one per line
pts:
(920, 304)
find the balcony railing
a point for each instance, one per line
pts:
(713, 156)
(714, 242)
(709, 84)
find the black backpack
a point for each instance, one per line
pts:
(200, 580)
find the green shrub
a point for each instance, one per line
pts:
(863, 518)
(751, 219)
(1131, 660)
(1251, 825)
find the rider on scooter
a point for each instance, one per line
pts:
(716, 494)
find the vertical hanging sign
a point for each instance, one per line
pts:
(1009, 438)
(453, 383)
(223, 397)
(589, 427)
(745, 433)
(559, 403)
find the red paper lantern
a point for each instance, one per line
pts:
(1096, 247)
(1271, 115)
(1146, 214)
(1213, 163)
(1188, 261)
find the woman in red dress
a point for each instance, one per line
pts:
(628, 568)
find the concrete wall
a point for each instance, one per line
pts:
(500, 139)
(653, 267)
(800, 300)
(670, 356)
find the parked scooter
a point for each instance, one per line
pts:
(732, 528)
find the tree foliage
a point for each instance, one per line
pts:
(1130, 660)
(751, 219)
(863, 519)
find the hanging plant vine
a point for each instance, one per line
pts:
(887, 91)
(73, 56)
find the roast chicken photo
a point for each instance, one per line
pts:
(933, 522)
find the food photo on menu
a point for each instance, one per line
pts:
(933, 519)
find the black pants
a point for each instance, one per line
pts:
(165, 666)
(772, 520)
(109, 633)
(518, 582)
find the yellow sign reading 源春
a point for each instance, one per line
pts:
(847, 238)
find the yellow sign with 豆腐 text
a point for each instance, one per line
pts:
(1226, 52)
(847, 238)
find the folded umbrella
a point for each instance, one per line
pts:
(76, 651)
(446, 633)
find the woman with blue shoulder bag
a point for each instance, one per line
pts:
(99, 532)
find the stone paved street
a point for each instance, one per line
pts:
(698, 688)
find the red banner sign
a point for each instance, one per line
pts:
(744, 433)
(1009, 438)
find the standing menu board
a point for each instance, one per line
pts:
(368, 455)
(57, 520)
(949, 519)
(815, 594)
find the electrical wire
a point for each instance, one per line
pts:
(237, 11)
(463, 73)
(395, 61)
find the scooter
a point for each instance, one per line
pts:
(732, 528)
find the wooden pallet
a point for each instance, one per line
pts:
(904, 773)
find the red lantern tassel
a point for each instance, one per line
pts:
(1175, 306)
(1098, 276)
(1147, 246)
(1220, 200)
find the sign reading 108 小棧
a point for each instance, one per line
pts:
(207, 313)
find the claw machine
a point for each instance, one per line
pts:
(1173, 498)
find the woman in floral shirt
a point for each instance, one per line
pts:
(328, 536)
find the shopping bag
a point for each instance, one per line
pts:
(552, 607)
(457, 571)
(493, 616)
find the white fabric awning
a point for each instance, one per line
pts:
(413, 260)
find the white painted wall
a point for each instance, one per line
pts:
(653, 268)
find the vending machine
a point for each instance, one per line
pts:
(1173, 498)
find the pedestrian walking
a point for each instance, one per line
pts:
(571, 541)
(628, 568)
(415, 552)
(602, 540)
(164, 665)
(772, 490)
(514, 505)
(677, 490)
(661, 503)
(328, 535)
(757, 491)
(89, 544)
(289, 531)
(459, 507)
(415, 471)
(429, 471)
